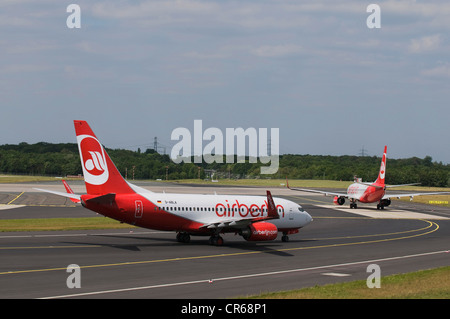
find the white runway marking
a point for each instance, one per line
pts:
(335, 274)
(209, 280)
(5, 207)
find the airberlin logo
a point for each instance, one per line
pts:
(265, 232)
(93, 158)
(237, 209)
(96, 162)
(383, 167)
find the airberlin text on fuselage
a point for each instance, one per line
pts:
(237, 209)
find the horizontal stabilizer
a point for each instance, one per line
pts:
(371, 185)
(71, 196)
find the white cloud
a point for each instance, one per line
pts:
(425, 44)
(149, 9)
(439, 71)
(275, 51)
(228, 57)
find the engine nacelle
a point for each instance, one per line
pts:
(261, 231)
(338, 200)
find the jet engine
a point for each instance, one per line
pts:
(338, 200)
(260, 231)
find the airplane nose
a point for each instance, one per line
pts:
(308, 218)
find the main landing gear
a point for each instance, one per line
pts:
(216, 240)
(353, 205)
(383, 203)
(185, 238)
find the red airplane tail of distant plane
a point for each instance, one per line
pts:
(100, 174)
(382, 172)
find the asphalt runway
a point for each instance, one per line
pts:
(138, 263)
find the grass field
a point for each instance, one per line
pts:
(62, 224)
(306, 183)
(439, 200)
(425, 284)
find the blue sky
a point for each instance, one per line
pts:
(313, 69)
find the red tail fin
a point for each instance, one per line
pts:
(100, 174)
(382, 172)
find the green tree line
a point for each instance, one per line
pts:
(63, 159)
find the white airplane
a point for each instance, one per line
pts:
(369, 192)
(255, 218)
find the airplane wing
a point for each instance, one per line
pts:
(400, 185)
(326, 193)
(75, 198)
(373, 185)
(411, 195)
(244, 222)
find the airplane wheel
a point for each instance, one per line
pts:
(285, 238)
(183, 238)
(216, 240)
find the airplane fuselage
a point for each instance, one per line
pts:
(255, 218)
(189, 212)
(365, 193)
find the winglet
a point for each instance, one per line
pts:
(70, 191)
(287, 183)
(271, 208)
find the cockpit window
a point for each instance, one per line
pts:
(300, 208)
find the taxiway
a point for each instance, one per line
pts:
(138, 263)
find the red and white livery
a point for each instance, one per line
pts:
(255, 218)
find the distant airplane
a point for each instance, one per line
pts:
(368, 192)
(255, 218)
